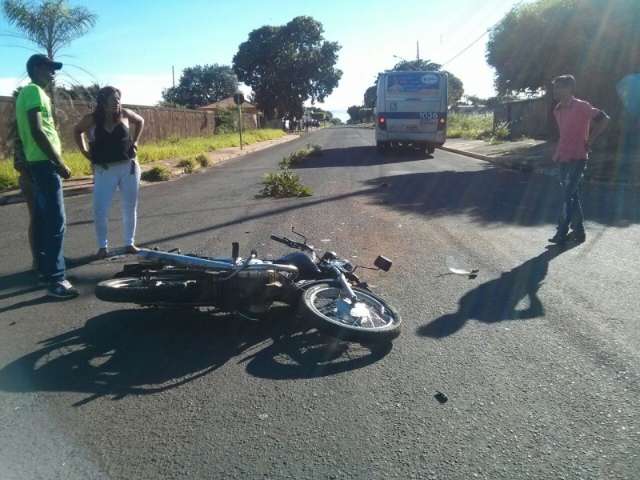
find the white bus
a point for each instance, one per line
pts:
(411, 109)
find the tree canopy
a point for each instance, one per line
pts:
(87, 93)
(50, 24)
(202, 85)
(288, 65)
(370, 95)
(456, 88)
(359, 114)
(598, 42)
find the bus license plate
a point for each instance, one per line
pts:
(428, 118)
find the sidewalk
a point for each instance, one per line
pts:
(536, 156)
(82, 185)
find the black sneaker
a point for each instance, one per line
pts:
(62, 289)
(578, 236)
(558, 239)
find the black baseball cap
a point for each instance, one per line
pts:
(39, 60)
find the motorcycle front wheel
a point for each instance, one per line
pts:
(146, 291)
(368, 319)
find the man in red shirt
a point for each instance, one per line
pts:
(575, 118)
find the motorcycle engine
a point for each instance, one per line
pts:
(252, 290)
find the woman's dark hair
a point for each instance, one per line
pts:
(101, 102)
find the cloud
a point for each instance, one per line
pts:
(9, 84)
(139, 89)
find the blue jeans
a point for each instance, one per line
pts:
(48, 220)
(570, 177)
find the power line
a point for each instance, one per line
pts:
(488, 30)
(467, 47)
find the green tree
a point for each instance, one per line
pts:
(83, 93)
(51, 24)
(475, 100)
(287, 66)
(370, 95)
(202, 85)
(456, 88)
(359, 114)
(319, 114)
(598, 42)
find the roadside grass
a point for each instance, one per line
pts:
(188, 165)
(158, 173)
(203, 160)
(169, 148)
(284, 183)
(296, 158)
(471, 126)
(477, 127)
(191, 147)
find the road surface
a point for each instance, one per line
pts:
(539, 356)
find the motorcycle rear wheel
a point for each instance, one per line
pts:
(380, 322)
(146, 291)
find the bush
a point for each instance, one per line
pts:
(187, 165)
(156, 174)
(203, 160)
(501, 132)
(284, 184)
(225, 122)
(296, 158)
(316, 150)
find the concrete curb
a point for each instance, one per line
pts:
(15, 196)
(530, 169)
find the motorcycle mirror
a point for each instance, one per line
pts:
(383, 263)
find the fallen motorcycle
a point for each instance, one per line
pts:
(326, 290)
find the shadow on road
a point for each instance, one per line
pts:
(363, 156)
(137, 352)
(494, 195)
(499, 299)
(21, 283)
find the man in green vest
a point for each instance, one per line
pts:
(43, 154)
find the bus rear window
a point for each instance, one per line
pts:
(418, 82)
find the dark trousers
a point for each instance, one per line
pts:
(26, 186)
(48, 220)
(570, 179)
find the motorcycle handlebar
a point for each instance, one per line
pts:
(285, 240)
(289, 243)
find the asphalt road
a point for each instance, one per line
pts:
(539, 355)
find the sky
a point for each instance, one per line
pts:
(135, 44)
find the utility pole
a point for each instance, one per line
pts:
(173, 75)
(418, 50)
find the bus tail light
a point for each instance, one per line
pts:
(442, 121)
(382, 122)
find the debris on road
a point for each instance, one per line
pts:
(455, 268)
(441, 397)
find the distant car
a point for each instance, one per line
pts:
(411, 110)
